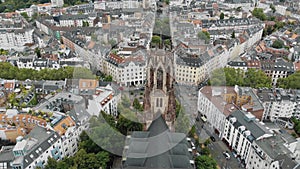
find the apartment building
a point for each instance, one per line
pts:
(57, 3)
(236, 24)
(104, 100)
(189, 69)
(260, 145)
(14, 34)
(214, 58)
(237, 65)
(275, 152)
(127, 70)
(241, 129)
(77, 20)
(280, 104)
(277, 69)
(33, 150)
(217, 103)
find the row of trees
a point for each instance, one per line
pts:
(296, 125)
(291, 82)
(230, 77)
(205, 160)
(8, 71)
(12, 5)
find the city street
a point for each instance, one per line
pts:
(216, 148)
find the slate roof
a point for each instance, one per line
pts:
(42, 136)
(256, 129)
(158, 148)
(6, 154)
(237, 63)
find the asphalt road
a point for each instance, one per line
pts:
(216, 148)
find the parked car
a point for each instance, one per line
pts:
(226, 154)
(212, 138)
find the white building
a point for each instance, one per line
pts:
(237, 65)
(104, 100)
(127, 70)
(57, 3)
(34, 149)
(280, 104)
(215, 58)
(131, 4)
(275, 152)
(212, 105)
(240, 130)
(77, 20)
(16, 38)
(277, 69)
(189, 69)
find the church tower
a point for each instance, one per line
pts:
(159, 93)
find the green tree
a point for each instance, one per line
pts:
(257, 78)
(83, 159)
(108, 78)
(51, 163)
(38, 52)
(273, 8)
(259, 13)
(156, 40)
(205, 162)
(205, 151)
(88, 144)
(291, 82)
(167, 42)
(222, 16)
(204, 35)
(278, 44)
(233, 34)
(136, 104)
(125, 125)
(230, 77)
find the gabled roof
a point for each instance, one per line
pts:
(158, 148)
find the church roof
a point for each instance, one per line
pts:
(158, 148)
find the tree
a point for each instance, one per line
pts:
(205, 162)
(156, 40)
(136, 104)
(273, 8)
(296, 125)
(108, 78)
(278, 44)
(222, 16)
(182, 123)
(204, 35)
(51, 163)
(233, 34)
(85, 24)
(259, 13)
(257, 78)
(25, 15)
(230, 77)
(167, 42)
(291, 82)
(125, 125)
(205, 151)
(38, 52)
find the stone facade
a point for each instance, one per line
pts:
(159, 93)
